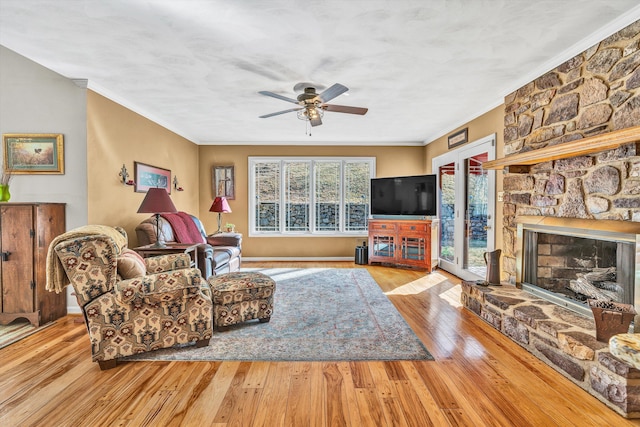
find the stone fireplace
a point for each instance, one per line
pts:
(567, 260)
(595, 93)
(571, 206)
(549, 320)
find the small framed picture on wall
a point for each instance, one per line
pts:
(147, 176)
(458, 138)
(224, 182)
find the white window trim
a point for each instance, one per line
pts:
(312, 233)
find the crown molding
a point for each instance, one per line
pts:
(321, 143)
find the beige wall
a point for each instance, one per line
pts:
(484, 125)
(116, 135)
(489, 123)
(389, 161)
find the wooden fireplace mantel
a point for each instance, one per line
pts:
(520, 162)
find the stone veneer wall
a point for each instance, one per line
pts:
(595, 92)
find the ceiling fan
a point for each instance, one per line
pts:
(313, 105)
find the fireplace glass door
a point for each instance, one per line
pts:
(466, 208)
(568, 269)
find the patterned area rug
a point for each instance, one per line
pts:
(319, 314)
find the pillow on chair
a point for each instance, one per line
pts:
(131, 264)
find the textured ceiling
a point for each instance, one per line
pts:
(196, 66)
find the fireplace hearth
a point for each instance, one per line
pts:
(559, 337)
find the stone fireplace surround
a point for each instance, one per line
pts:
(556, 335)
(560, 163)
(559, 336)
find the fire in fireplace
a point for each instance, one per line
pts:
(568, 261)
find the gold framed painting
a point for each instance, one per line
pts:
(41, 153)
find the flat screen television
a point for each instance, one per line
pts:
(407, 196)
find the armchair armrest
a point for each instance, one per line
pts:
(162, 263)
(161, 287)
(225, 239)
(206, 262)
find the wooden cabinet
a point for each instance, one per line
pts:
(401, 242)
(26, 229)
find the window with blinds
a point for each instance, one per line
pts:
(309, 195)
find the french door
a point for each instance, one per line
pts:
(466, 208)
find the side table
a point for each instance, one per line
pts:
(225, 239)
(173, 248)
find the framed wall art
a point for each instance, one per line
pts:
(147, 176)
(224, 182)
(458, 138)
(41, 153)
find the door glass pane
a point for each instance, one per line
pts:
(476, 214)
(297, 195)
(447, 178)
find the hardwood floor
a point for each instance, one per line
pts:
(479, 378)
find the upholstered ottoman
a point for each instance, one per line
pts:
(241, 296)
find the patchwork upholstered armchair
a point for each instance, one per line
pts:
(130, 304)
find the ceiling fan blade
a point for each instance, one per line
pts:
(335, 90)
(345, 109)
(275, 95)
(280, 112)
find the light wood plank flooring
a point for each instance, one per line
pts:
(479, 378)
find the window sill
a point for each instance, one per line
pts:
(348, 235)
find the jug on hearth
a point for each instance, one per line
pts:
(492, 260)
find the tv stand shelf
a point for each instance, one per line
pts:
(403, 242)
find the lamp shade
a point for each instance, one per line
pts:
(220, 204)
(157, 200)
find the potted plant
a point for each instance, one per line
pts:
(5, 178)
(230, 227)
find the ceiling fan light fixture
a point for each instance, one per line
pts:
(310, 113)
(312, 105)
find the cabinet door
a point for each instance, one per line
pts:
(16, 226)
(383, 247)
(382, 241)
(413, 248)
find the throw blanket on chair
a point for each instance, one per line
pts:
(184, 229)
(56, 275)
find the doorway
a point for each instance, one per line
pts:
(466, 208)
